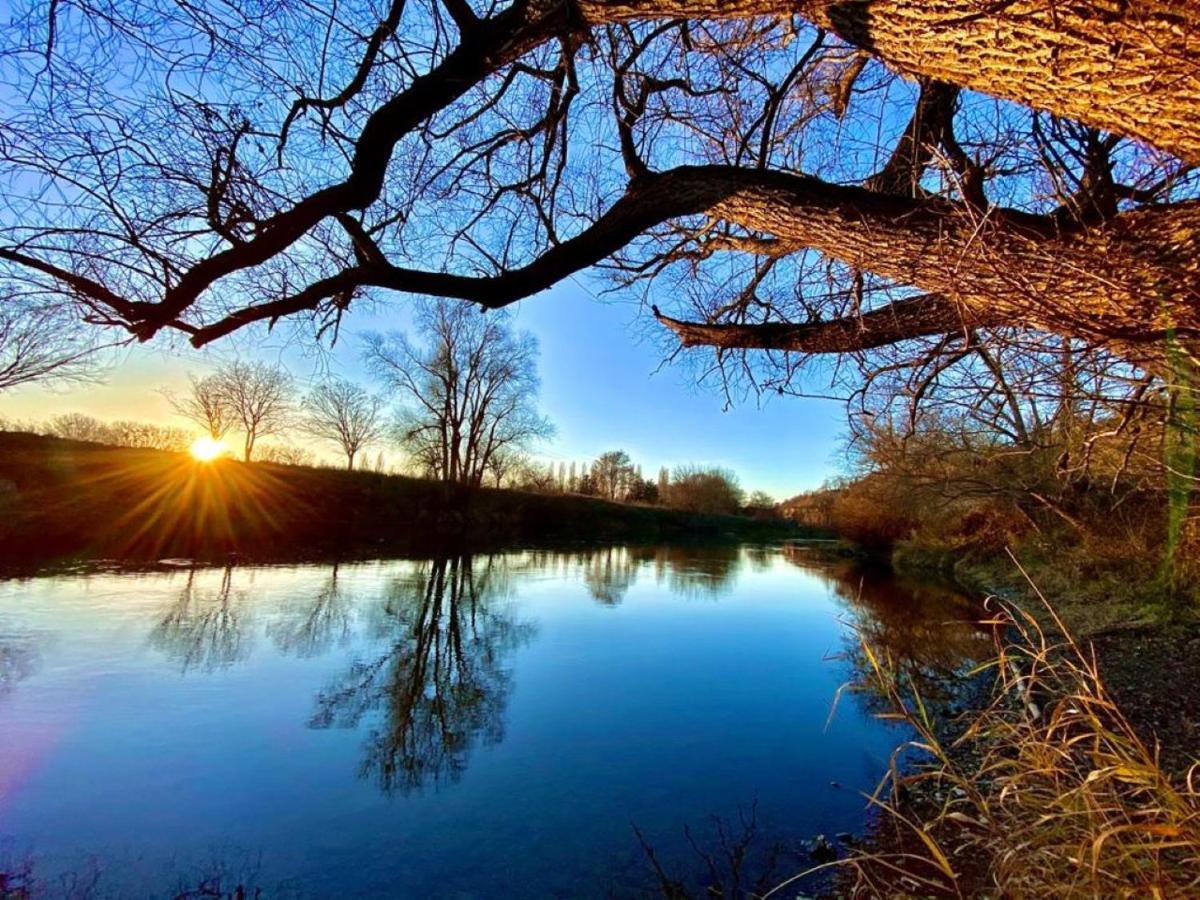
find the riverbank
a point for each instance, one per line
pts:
(1144, 649)
(1082, 738)
(62, 500)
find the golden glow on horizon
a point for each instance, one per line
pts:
(206, 449)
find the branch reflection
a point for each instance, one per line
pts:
(19, 658)
(930, 630)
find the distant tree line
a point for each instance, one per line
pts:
(459, 402)
(124, 433)
(614, 476)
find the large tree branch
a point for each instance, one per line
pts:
(483, 51)
(1120, 282)
(1104, 67)
(914, 317)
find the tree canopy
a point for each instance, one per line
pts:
(809, 177)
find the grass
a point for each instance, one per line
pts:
(1048, 791)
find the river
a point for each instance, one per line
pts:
(525, 724)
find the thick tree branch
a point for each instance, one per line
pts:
(914, 317)
(485, 50)
(1119, 282)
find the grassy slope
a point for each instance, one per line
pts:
(61, 499)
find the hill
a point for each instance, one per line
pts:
(64, 499)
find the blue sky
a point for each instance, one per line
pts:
(603, 386)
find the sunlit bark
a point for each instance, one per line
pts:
(1128, 67)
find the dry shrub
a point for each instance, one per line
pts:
(1048, 792)
(872, 513)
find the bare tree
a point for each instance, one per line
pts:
(345, 414)
(611, 473)
(122, 433)
(507, 465)
(79, 427)
(761, 499)
(468, 390)
(44, 342)
(207, 404)
(259, 397)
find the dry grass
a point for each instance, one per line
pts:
(1048, 792)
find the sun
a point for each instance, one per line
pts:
(206, 449)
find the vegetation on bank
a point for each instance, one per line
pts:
(1084, 511)
(1047, 790)
(63, 498)
(1076, 774)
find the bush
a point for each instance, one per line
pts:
(124, 433)
(711, 491)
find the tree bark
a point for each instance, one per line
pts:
(1128, 66)
(1128, 281)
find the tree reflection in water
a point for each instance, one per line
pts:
(609, 572)
(442, 685)
(205, 629)
(696, 571)
(929, 630)
(310, 629)
(19, 658)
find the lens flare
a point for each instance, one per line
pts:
(206, 449)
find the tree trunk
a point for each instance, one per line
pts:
(1128, 66)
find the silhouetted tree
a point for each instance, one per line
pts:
(587, 484)
(642, 491)
(704, 490)
(78, 427)
(122, 433)
(260, 397)
(610, 474)
(345, 414)
(468, 389)
(147, 436)
(207, 404)
(761, 499)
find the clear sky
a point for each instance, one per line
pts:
(603, 387)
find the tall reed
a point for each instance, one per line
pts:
(1047, 792)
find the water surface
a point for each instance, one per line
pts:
(458, 727)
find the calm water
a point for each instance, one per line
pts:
(487, 726)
